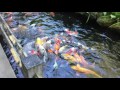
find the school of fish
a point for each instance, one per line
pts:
(60, 45)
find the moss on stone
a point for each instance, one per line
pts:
(105, 21)
(115, 26)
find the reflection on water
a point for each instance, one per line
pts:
(107, 53)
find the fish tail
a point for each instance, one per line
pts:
(98, 76)
(94, 73)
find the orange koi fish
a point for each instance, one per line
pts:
(52, 14)
(57, 45)
(80, 69)
(50, 50)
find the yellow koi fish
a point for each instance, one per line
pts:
(80, 69)
(69, 57)
(39, 42)
(62, 48)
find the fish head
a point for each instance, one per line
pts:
(65, 56)
(22, 27)
(57, 40)
(39, 41)
(74, 67)
(57, 46)
(40, 49)
(68, 57)
(66, 30)
(76, 54)
(71, 51)
(52, 14)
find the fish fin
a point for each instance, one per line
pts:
(84, 62)
(92, 65)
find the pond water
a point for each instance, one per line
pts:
(107, 45)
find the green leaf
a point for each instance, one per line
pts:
(112, 16)
(104, 13)
(117, 14)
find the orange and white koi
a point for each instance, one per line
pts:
(73, 33)
(32, 52)
(9, 19)
(71, 51)
(80, 59)
(9, 13)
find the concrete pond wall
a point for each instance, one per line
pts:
(109, 20)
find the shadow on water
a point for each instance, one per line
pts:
(107, 53)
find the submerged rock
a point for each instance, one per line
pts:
(105, 21)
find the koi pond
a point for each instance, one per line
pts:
(98, 48)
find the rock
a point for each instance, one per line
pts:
(109, 20)
(32, 65)
(28, 14)
(93, 15)
(115, 26)
(105, 21)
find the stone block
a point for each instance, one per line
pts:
(31, 66)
